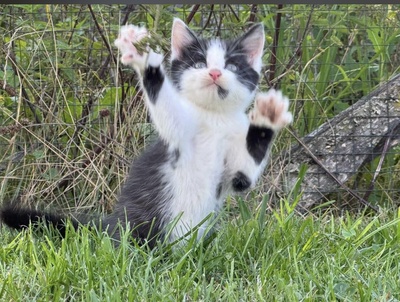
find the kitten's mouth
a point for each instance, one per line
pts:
(213, 83)
(222, 92)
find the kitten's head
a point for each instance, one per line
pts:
(215, 74)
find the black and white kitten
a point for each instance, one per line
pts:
(207, 148)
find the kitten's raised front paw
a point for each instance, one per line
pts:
(271, 110)
(128, 35)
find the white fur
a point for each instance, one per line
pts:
(270, 103)
(128, 35)
(198, 87)
(210, 133)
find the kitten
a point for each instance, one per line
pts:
(207, 147)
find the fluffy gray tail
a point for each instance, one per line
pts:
(19, 218)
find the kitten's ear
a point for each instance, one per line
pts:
(181, 37)
(253, 43)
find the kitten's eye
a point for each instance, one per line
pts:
(199, 65)
(231, 67)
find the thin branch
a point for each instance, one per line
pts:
(272, 65)
(25, 96)
(8, 88)
(234, 13)
(253, 13)
(209, 17)
(82, 122)
(85, 112)
(127, 10)
(74, 27)
(192, 13)
(100, 30)
(219, 24)
(297, 52)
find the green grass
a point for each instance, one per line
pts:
(273, 257)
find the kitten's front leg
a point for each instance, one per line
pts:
(172, 118)
(128, 36)
(269, 116)
(148, 64)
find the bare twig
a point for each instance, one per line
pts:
(219, 25)
(74, 27)
(209, 17)
(99, 29)
(272, 65)
(253, 13)
(81, 123)
(128, 9)
(297, 52)
(8, 88)
(25, 96)
(233, 12)
(88, 106)
(192, 13)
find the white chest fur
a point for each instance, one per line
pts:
(201, 169)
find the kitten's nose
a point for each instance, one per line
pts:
(214, 73)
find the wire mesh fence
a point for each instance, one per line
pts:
(72, 118)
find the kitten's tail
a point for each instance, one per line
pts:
(20, 218)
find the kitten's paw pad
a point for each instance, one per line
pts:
(128, 35)
(271, 110)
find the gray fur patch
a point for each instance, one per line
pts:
(222, 93)
(144, 196)
(175, 155)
